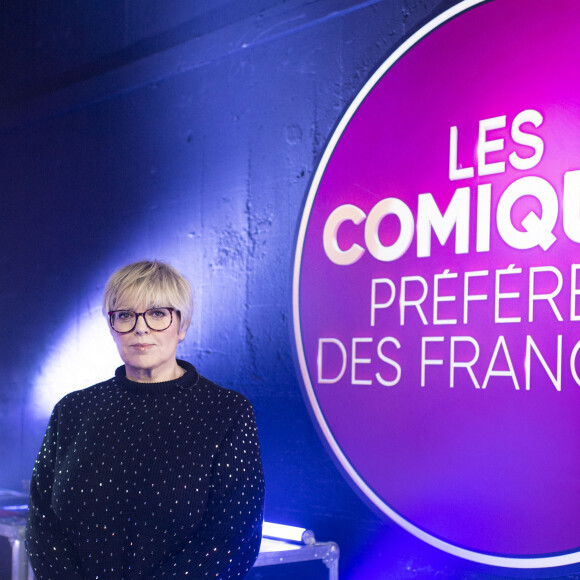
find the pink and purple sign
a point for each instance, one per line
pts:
(437, 285)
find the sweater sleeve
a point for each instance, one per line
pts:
(51, 555)
(228, 541)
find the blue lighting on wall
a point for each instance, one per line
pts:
(186, 132)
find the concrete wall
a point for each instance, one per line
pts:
(185, 131)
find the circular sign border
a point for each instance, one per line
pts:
(524, 562)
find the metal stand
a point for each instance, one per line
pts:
(274, 552)
(13, 529)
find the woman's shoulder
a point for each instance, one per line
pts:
(223, 397)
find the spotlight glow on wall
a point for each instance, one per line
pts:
(86, 355)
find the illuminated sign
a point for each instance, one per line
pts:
(437, 285)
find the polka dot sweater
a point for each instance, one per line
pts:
(147, 480)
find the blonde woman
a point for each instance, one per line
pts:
(155, 473)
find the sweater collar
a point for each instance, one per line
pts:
(185, 382)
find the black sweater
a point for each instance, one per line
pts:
(147, 480)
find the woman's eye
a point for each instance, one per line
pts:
(125, 315)
(158, 313)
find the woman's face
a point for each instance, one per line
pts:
(149, 356)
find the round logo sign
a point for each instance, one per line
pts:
(437, 285)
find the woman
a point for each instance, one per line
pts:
(155, 473)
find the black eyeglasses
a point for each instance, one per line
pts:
(157, 319)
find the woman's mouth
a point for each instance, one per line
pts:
(141, 346)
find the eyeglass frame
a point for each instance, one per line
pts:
(137, 314)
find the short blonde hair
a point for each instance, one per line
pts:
(152, 283)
